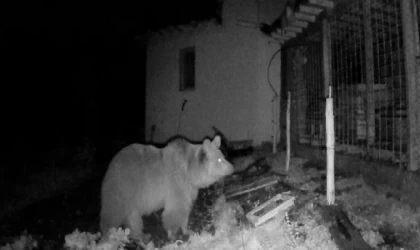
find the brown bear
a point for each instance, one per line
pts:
(142, 179)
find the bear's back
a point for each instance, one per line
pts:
(138, 154)
(136, 157)
(133, 167)
(138, 164)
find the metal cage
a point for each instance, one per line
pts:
(374, 80)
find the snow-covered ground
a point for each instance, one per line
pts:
(383, 220)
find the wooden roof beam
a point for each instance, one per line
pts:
(293, 29)
(299, 23)
(313, 10)
(305, 17)
(322, 3)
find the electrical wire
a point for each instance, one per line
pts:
(268, 72)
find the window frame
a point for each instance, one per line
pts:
(187, 69)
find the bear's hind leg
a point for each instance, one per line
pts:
(135, 223)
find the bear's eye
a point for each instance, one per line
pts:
(219, 160)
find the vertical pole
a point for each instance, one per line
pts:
(329, 117)
(288, 131)
(274, 123)
(411, 45)
(280, 89)
(326, 55)
(370, 77)
(330, 144)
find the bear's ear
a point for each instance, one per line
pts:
(202, 156)
(216, 141)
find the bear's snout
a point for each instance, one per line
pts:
(228, 168)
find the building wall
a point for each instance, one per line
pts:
(231, 91)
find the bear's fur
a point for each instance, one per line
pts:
(142, 179)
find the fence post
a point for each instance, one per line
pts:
(326, 55)
(412, 68)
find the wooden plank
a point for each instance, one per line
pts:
(290, 34)
(252, 189)
(284, 34)
(299, 23)
(294, 29)
(305, 17)
(309, 9)
(253, 186)
(323, 3)
(280, 37)
(270, 209)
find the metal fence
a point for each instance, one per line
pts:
(370, 89)
(304, 80)
(369, 78)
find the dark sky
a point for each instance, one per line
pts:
(74, 69)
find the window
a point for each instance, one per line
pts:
(187, 69)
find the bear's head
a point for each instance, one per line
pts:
(211, 165)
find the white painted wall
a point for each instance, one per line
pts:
(231, 92)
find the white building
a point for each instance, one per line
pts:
(223, 71)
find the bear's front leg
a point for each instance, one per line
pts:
(175, 217)
(135, 223)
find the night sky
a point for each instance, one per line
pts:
(74, 70)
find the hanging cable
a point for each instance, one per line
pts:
(268, 72)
